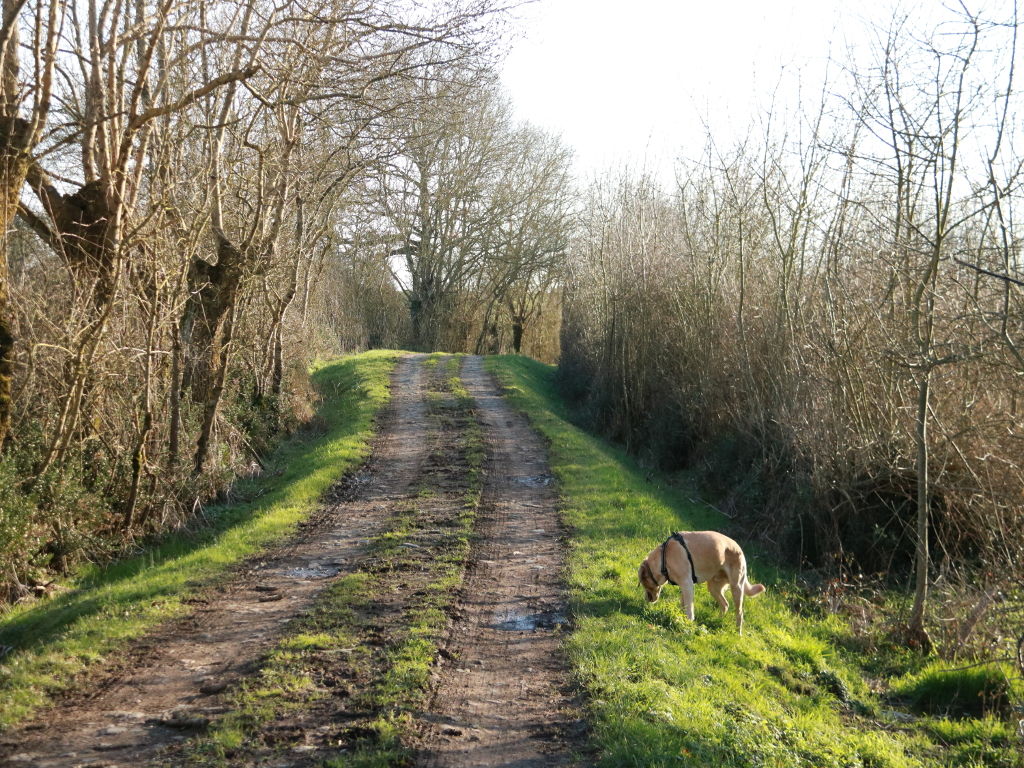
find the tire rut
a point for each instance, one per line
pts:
(169, 681)
(503, 698)
(347, 712)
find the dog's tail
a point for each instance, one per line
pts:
(750, 590)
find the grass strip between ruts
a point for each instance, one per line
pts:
(402, 688)
(52, 642)
(664, 691)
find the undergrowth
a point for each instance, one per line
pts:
(664, 691)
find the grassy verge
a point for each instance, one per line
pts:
(52, 642)
(663, 691)
(357, 666)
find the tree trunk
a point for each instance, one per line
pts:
(277, 373)
(174, 430)
(6, 359)
(484, 327)
(14, 137)
(139, 454)
(209, 323)
(210, 411)
(138, 462)
(277, 378)
(422, 317)
(918, 635)
(15, 140)
(213, 291)
(84, 230)
(517, 335)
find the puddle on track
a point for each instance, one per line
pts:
(535, 481)
(308, 573)
(511, 620)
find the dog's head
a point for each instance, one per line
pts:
(652, 589)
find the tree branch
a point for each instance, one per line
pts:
(154, 112)
(984, 271)
(37, 225)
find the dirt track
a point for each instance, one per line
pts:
(500, 700)
(503, 700)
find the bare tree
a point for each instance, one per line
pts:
(187, 166)
(526, 248)
(824, 320)
(438, 195)
(923, 123)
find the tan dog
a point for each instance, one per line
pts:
(694, 556)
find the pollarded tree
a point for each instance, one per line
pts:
(118, 77)
(26, 86)
(286, 151)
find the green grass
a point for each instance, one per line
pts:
(664, 691)
(53, 642)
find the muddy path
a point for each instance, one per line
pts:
(501, 697)
(498, 694)
(378, 635)
(165, 687)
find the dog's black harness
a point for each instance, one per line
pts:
(664, 569)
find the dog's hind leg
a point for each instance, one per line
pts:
(737, 597)
(716, 587)
(686, 597)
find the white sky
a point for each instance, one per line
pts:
(628, 81)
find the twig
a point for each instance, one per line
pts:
(984, 271)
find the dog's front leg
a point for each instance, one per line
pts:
(686, 597)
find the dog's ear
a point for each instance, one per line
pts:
(646, 576)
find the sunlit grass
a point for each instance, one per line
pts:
(664, 691)
(55, 640)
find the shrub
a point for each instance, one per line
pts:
(970, 692)
(19, 534)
